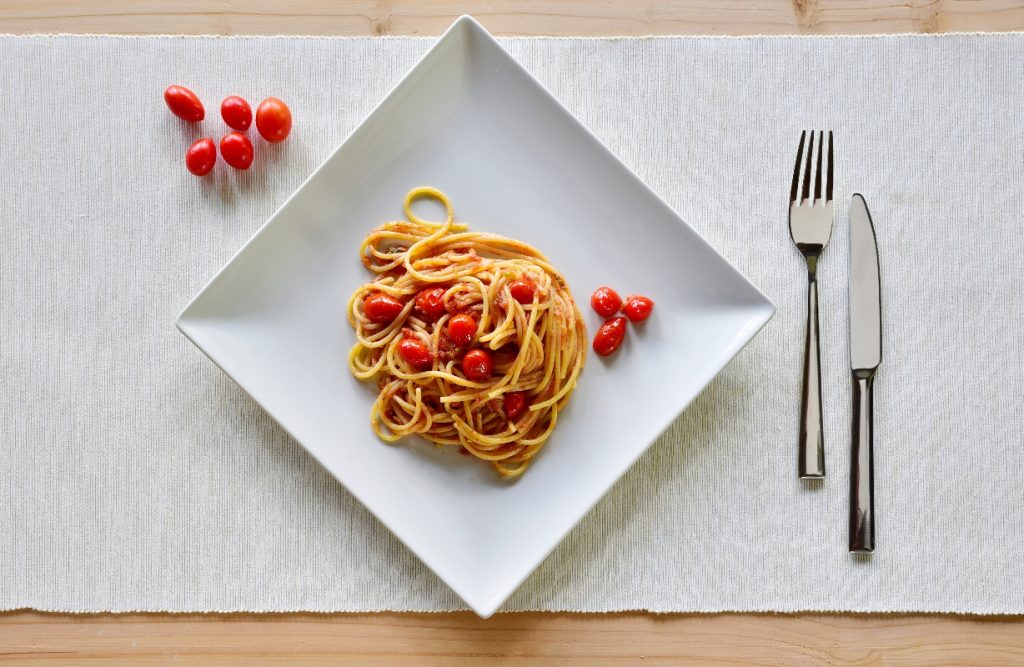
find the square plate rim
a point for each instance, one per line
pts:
(761, 313)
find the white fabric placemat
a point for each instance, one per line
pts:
(135, 476)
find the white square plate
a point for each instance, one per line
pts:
(471, 121)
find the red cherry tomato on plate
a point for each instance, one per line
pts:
(605, 301)
(237, 150)
(610, 336)
(430, 302)
(522, 290)
(637, 307)
(477, 365)
(236, 112)
(183, 103)
(415, 352)
(381, 307)
(515, 404)
(273, 119)
(201, 156)
(462, 328)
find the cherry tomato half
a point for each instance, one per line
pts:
(610, 336)
(515, 404)
(415, 352)
(522, 290)
(237, 150)
(430, 302)
(183, 103)
(477, 365)
(637, 307)
(201, 156)
(605, 301)
(381, 307)
(236, 112)
(462, 328)
(273, 119)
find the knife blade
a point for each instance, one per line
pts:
(865, 310)
(865, 294)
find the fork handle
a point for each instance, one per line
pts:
(862, 478)
(812, 445)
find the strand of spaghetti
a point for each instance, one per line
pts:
(563, 392)
(546, 338)
(419, 246)
(423, 192)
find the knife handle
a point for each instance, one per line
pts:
(862, 478)
(812, 446)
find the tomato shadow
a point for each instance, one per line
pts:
(223, 183)
(188, 130)
(270, 154)
(232, 185)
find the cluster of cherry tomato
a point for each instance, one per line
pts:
(273, 121)
(477, 363)
(606, 302)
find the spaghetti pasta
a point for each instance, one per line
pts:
(528, 330)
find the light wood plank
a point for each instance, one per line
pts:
(509, 17)
(510, 639)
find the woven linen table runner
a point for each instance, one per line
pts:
(136, 476)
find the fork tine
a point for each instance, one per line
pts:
(807, 169)
(817, 171)
(828, 176)
(796, 169)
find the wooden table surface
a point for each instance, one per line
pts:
(461, 638)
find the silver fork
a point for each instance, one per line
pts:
(810, 225)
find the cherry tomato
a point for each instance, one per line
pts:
(273, 119)
(638, 307)
(415, 352)
(201, 156)
(236, 112)
(183, 103)
(515, 404)
(610, 336)
(430, 302)
(605, 301)
(382, 307)
(237, 150)
(477, 365)
(522, 290)
(462, 328)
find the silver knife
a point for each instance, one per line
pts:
(865, 355)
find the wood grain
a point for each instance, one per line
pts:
(35, 638)
(509, 17)
(509, 639)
